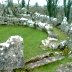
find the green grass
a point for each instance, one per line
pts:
(60, 34)
(32, 40)
(52, 66)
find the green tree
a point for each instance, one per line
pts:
(52, 7)
(18, 1)
(10, 3)
(23, 3)
(28, 5)
(4, 12)
(67, 6)
(55, 7)
(36, 6)
(7, 9)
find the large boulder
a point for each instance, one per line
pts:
(40, 25)
(48, 27)
(51, 43)
(11, 54)
(30, 23)
(23, 21)
(54, 21)
(64, 24)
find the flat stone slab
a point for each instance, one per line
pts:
(40, 61)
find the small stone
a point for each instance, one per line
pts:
(14, 55)
(1, 53)
(1, 48)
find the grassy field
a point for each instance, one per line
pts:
(32, 40)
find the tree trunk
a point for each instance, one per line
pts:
(52, 7)
(28, 5)
(67, 8)
(18, 1)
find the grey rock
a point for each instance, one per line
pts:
(51, 43)
(62, 44)
(11, 53)
(70, 43)
(65, 68)
(64, 24)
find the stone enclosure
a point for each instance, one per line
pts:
(11, 51)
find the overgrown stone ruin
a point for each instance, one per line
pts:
(11, 54)
(48, 24)
(14, 54)
(54, 43)
(24, 20)
(52, 40)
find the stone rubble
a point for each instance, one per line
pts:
(11, 53)
(53, 43)
(50, 42)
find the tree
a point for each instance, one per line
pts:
(49, 8)
(55, 7)
(2, 1)
(11, 9)
(8, 9)
(36, 6)
(18, 1)
(67, 6)
(10, 3)
(28, 5)
(52, 7)
(23, 3)
(4, 12)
